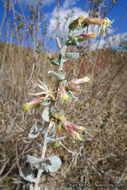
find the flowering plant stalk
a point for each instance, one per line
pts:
(47, 96)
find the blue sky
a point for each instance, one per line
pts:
(48, 7)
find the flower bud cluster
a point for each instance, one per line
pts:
(69, 126)
(72, 86)
(82, 22)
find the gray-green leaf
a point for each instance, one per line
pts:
(28, 175)
(58, 43)
(46, 114)
(72, 40)
(35, 130)
(32, 160)
(59, 76)
(55, 164)
(46, 103)
(72, 56)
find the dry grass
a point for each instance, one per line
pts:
(102, 108)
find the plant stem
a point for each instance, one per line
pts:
(36, 187)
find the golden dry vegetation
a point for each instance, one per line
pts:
(101, 107)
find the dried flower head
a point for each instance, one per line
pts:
(44, 95)
(46, 91)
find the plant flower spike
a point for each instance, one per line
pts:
(48, 94)
(69, 126)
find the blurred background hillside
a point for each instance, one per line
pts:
(27, 32)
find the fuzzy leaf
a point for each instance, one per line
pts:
(72, 41)
(28, 175)
(32, 160)
(39, 126)
(59, 76)
(35, 130)
(46, 103)
(55, 61)
(72, 56)
(55, 164)
(53, 109)
(46, 114)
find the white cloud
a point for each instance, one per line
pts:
(68, 3)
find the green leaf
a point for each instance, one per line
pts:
(37, 106)
(28, 175)
(72, 56)
(59, 76)
(34, 161)
(53, 164)
(35, 130)
(72, 40)
(26, 171)
(58, 43)
(55, 61)
(46, 114)
(39, 126)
